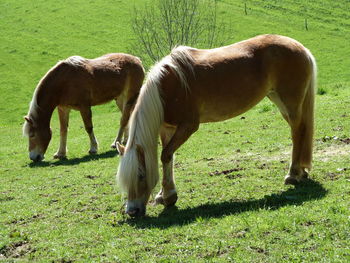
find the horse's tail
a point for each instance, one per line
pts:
(308, 116)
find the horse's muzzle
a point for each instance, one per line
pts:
(36, 157)
(136, 211)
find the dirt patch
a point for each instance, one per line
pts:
(240, 234)
(259, 250)
(23, 221)
(346, 140)
(208, 159)
(341, 147)
(335, 150)
(92, 177)
(225, 172)
(6, 198)
(307, 223)
(323, 152)
(15, 250)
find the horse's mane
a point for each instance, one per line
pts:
(75, 61)
(147, 117)
(34, 109)
(181, 61)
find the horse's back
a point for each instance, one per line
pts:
(115, 62)
(257, 47)
(99, 80)
(232, 79)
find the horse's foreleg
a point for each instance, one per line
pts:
(123, 126)
(63, 115)
(168, 194)
(126, 110)
(87, 119)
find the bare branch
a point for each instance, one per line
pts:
(160, 26)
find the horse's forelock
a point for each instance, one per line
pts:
(33, 111)
(26, 128)
(127, 175)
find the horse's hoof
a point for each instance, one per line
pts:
(159, 200)
(296, 179)
(304, 176)
(291, 180)
(92, 152)
(59, 156)
(114, 146)
(170, 200)
(116, 149)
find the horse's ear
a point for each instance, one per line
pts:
(141, 155)
(121, 149)
(26, 118)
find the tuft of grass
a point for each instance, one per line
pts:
(322, 91)
(265, 108)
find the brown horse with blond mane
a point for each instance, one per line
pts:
(192, 86)
(79, 83)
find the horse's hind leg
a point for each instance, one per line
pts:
(126, 102)
(87, 119)
(298, 112)
(63, 115)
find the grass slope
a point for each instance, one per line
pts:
(233, 205)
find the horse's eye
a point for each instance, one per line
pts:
(31, 134)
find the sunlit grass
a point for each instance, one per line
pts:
(232, 207)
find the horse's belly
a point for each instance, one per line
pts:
(104, 95)
(220, 110)
(217, 115)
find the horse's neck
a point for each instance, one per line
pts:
(45, 104)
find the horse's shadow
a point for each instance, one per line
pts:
(75, 161)
(310, 190)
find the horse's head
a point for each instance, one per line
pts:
(39, 138)
(132, 179)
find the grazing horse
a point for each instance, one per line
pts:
(192, 86)
(79, 83)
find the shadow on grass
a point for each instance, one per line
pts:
(75, 161)
(310, 190)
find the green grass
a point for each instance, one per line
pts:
(232, 203)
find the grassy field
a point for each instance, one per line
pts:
(233, 206)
